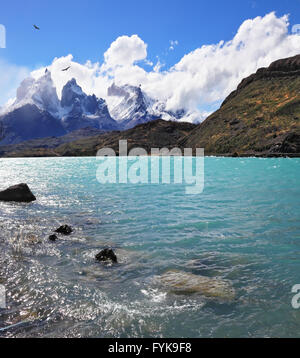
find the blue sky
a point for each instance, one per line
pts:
(87, 29)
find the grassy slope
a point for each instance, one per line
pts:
(255, 120)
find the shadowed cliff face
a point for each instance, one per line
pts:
(29, 122)
(83, 111)
(261, 117)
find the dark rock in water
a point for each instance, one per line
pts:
(107, 254)
(53, 237)
(64, 229)
(19, 193)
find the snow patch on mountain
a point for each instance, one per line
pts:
(40, 93)
(37, 111)
(130, 106)
(79, 110)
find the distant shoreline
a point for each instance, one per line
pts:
(269, 155)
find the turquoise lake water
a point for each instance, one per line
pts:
(243, 228)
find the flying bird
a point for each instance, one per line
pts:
(66, 69)
(36, 27)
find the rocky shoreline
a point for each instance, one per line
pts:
(226, 155)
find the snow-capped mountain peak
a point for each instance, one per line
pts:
(130, 106)
(70, 93)
(126, 103)
(80, 110)
(38, 109)
(40, 92)
(37, 112)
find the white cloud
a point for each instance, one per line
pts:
(158, 65)
(11, 76)
(173, 44)
(85, 74)
(210, 73)
(125, 51)
(200, 80)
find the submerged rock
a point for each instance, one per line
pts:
(106, 255)
(32, 239)
(53, 238)
(19, 193)
(187, 283)
(64, 230)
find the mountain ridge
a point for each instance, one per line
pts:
(260, 118)
(280, 68)
(76, 110)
